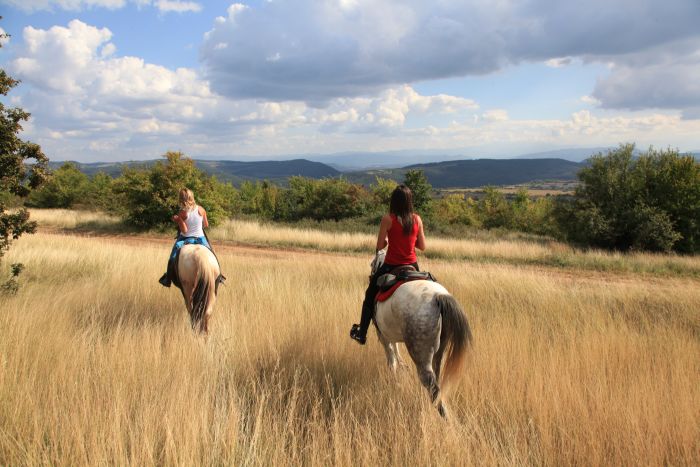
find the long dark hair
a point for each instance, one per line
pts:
(401, 206)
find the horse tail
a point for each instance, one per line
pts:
(455, 336)
(204, 291)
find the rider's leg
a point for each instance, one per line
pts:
(359, 332)
(167, 278)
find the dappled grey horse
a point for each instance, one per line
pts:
(429, 321)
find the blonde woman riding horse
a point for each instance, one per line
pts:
(196, 272)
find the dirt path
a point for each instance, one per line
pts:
(277, 252)
(220, 246)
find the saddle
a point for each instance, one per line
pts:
(388, 283)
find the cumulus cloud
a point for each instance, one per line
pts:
(93, 101)
(558, 62)
(495, 115)
(177, 6)
(347, 48)
(664, 78)
(164, 6)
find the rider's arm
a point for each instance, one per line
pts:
(205, 221)
(179, 219)
(384, 227)
(420, 240)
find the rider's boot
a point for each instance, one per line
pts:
(357, 334)
(165, 280)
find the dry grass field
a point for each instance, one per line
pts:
(98, 365)
(499, 251)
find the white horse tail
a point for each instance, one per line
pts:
(455, 336)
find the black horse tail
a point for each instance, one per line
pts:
(455, 336)
(200, 298)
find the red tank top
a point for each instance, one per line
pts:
(402, 248)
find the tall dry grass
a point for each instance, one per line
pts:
(98, 366)
(476, 250)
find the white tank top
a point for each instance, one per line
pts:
(194, 223)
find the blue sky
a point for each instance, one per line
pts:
(109, 80)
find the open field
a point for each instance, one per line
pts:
(98, 365)
(481, 250)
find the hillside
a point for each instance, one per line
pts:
(230, 171)
(480, 172)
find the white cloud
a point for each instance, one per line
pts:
(590, 100)
(69, 5)
(80, 92)
(495, 115)
(88, 102)
(349, 48)
(164, 6)
(559, 62)
(662, 77)
(177, 6)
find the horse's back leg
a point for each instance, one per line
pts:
(423, 354)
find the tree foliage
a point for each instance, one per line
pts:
(64, 188)
(23, 167)
(648, 203)
(149, 197)
(422, 191)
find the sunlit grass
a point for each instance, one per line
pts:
(511, 251)
(98, 365)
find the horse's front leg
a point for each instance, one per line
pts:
(391, 352)
(402, 363)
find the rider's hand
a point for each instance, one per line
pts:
(378, 261)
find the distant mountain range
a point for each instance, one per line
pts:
(229, 171)
(479, 172)
(463, 173)
(356, 161)
(448, 174)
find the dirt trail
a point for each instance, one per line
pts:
(276, 252)
(220, 246)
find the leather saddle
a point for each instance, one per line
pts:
(402, 274)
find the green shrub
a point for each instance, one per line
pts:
(65, 187)
(149, 197)
(650, 203)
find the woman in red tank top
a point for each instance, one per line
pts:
(402, 230)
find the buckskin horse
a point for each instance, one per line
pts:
(199, 276)
(428, 320)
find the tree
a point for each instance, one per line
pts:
(381, 191)
(647, 203)
(494, 210)
(454, 209)
(326, 199)
(63, 189)
(418, 183)
(149, 197)
(18, 176)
